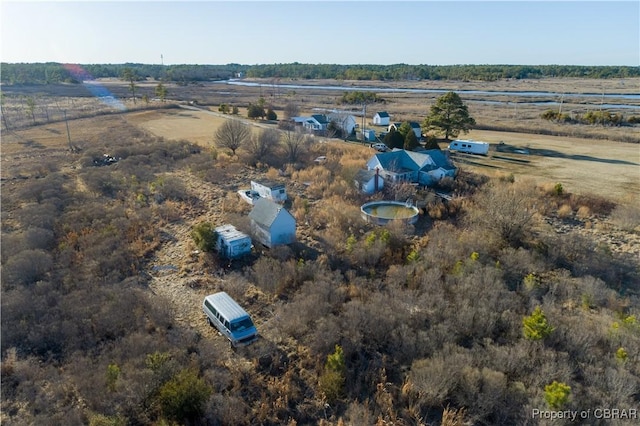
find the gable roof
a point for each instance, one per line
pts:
(413, 124)
(401, 161)
(364, 176)
(440, 159)
(382, 114)
(265, 212)
(320, 118)
(269, 184)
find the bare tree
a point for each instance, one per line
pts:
(232, 134)
(291, 110)
(295, 142)
(507, 210)
(263, 144)
(2, 111)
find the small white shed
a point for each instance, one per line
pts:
(272, 224)
(381, 118)
(231, 243)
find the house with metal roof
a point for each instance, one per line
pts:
(316, 123)
(272, 224)
(424, 167)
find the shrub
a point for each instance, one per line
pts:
(627, 216)
(535, 326)
(183, 397)
(204, 236)
(565, 211)
(557, 394)
(332, 379)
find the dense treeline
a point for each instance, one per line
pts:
(437, 72)
(484, 310)
(43, 73)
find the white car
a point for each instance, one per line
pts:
(380, 147)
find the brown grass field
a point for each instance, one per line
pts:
(592, 164)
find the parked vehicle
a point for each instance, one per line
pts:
(230, 319)
(380, 147)
(472, 147)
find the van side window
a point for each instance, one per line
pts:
(226, 324)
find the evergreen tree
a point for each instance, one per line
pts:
(161, 91)
(394, 139)
(411, 141)
(130, 75)
(536, 326)
(431, 143)
(449, 116)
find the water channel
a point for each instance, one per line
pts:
(596, 99)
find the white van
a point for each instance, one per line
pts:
(230, 319)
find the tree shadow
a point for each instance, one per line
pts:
(551, 153)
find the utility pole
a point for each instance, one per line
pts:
(364, 115)
(66, 122)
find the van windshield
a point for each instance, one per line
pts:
(242, 325)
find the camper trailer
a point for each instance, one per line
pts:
(472, 147)
(231, 243)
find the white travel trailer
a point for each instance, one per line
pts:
(472, 147)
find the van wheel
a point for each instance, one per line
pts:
(209, 322)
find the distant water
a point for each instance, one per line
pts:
(595, 96)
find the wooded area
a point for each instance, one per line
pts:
(46, 73)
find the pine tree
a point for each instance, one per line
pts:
(449, 116)
(536, 326)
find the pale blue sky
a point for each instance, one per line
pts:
(347, 32)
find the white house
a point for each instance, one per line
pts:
(414, 126)
(273, 191)
(231, 243)
(272, 224)
(365, 181)
(381, 118)
(424, 167)
(315, 123)
(346, 122)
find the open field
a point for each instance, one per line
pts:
(510, 112)
(607, 168)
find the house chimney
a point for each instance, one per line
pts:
(375, 182)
